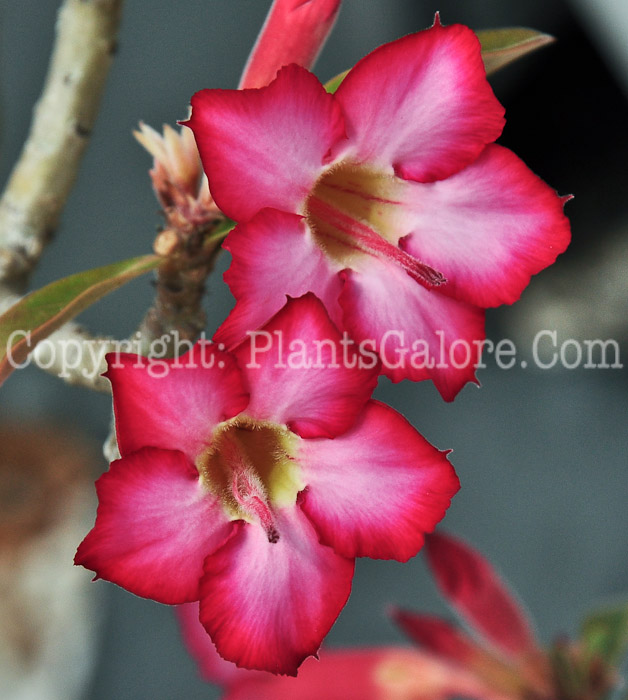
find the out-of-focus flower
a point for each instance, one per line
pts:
(294, 32)
(503, 654)
(178, 178)
(251, 480)
(388, 200)
(370, 673)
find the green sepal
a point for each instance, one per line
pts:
(503, 46)
(332, 85)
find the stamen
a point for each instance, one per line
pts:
(358, 236)
(354, 189)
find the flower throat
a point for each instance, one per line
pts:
(352, 210)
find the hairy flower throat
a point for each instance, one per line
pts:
(250, 467)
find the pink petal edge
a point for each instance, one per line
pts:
(418, 334)
(479, 595)
(174, 403)
(488, 228)
(268, 606)
(421, 105)
(376, 490)
(154, 519)
(266, 147)
(297, 373)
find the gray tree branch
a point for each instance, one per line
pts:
(62, 121)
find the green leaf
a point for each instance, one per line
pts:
(42, 312)
(503, 46)
(605, 633)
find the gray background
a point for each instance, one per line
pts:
(541, 454)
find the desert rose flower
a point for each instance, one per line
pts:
(250, 481)
(388, 200)
(501, 651)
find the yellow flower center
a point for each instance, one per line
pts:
(250, 465)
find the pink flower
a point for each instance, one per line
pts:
(369, 673)
(503, 652)
(294, 32)
(388, 200)
(249, 481)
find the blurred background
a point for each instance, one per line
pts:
(541, 454)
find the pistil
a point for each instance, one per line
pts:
(330, 222)
(247, 488)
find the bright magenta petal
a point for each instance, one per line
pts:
(265, 148)
(419, 334)
(274, 254)
(494, 679)
(375, 491)
(299, 375)
(294, 32)
(156, 524)
(211, 665)
(174, 404)
(267, 605)
(479, 595)
(487, 228)
(421, 104)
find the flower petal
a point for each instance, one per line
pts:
(265, 148)
(479, 595)
(174, 403)
(211, 665)
(375, 491)
(155, 525)
(421, 104)
(268, 605)
(339, 674)
(437, 636)
(302, 375)
(487, 228)
(419, 334)
(294, 32)
(495, 678)
(274, 254)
